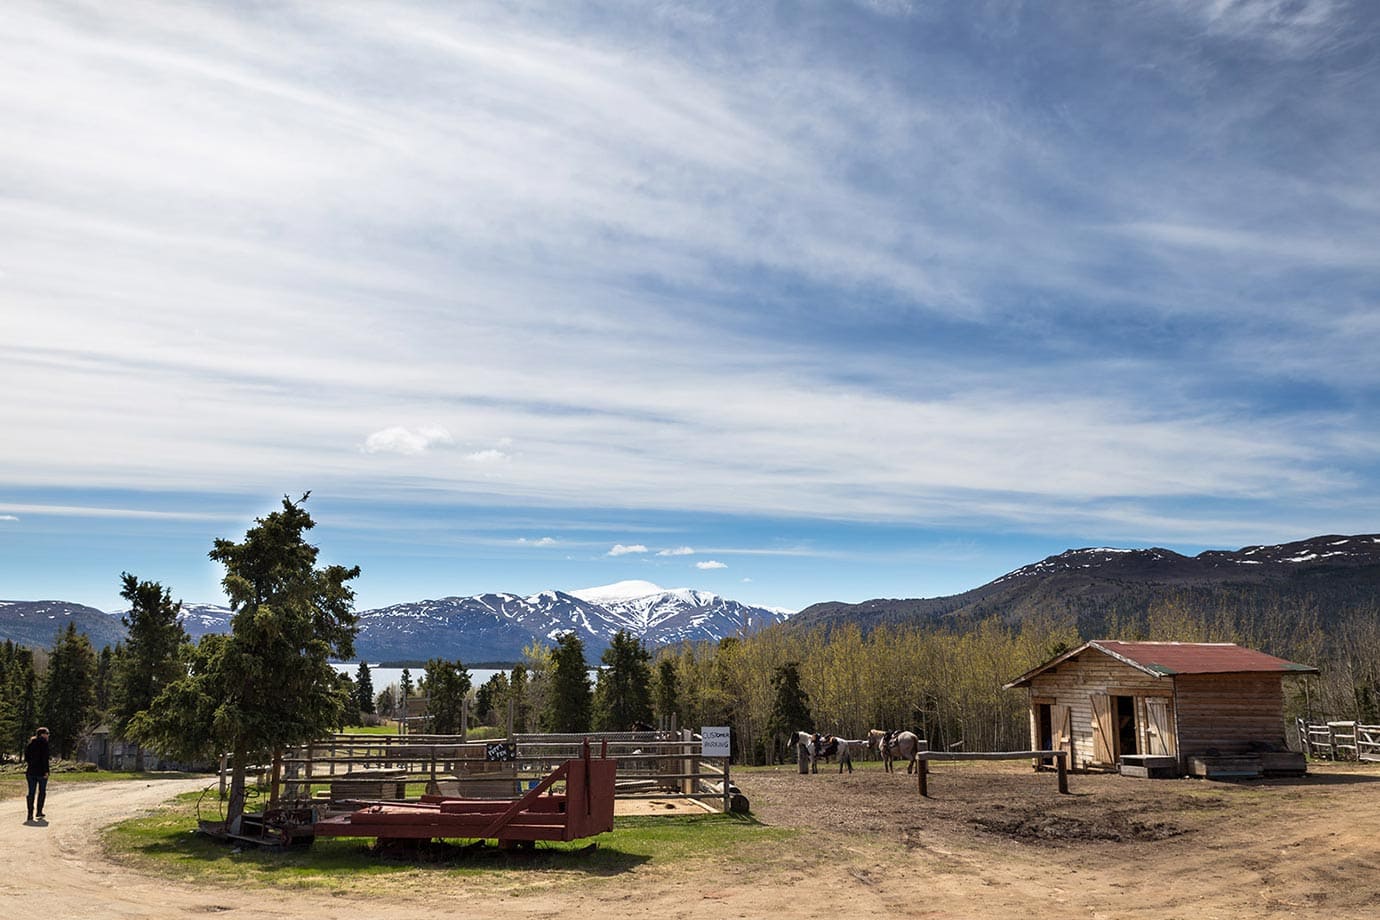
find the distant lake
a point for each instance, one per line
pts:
(383, 677)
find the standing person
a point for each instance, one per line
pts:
(36, 756)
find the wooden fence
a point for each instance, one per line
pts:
(347, 768)
(1340, 740)
(923, 758)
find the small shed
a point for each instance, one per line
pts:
(1148, 708)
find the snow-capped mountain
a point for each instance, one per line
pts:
(37, 623)
(485, 627)
(1334, 549)
(202, 619)
(496, 627)
(679, 614)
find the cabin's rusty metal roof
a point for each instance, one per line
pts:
(1167, 659)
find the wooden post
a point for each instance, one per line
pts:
(277, 778)
(923, 773)
(306, 770)
(726, 794)
(1061, 760)
(224, 766)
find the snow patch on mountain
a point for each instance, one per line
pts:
(618, 591)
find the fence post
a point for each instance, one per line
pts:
(1061, 759)
(922, 771)
(277, 778)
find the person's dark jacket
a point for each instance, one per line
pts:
(36, 756)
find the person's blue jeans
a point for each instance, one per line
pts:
(38, 786)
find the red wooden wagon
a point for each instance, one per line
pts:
(583, 810)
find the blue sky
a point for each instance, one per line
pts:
(788, 301)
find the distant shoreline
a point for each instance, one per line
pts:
(486, 665)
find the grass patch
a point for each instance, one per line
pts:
(167, 843)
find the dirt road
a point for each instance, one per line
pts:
(984, 846)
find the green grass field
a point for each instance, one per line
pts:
(167, 843)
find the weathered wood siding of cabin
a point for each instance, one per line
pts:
(1074, 683)
(1227, 713)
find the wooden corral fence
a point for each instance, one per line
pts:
(583, 808)
(1340, 740)
(345, 768)
(923, 758)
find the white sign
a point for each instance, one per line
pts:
(716, 741)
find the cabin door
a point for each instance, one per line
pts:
(1061, 719)
(1159, 730)
(1103, 729)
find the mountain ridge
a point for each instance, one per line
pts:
(1097, 583)
(488, 627)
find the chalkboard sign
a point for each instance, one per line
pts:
(500, 751)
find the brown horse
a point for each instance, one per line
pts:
(893, 745)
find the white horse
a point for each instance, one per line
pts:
(817, 746)
(893, 745)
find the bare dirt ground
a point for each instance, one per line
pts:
(994, 840)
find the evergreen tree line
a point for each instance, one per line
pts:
(72, 689)
(551, 691)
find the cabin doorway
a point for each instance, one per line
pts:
(1044, 726)
(1124, 708)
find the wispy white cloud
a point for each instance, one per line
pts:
(80, 511)
(710, 564)
(540, 541)
(620, 550)
(8, 517)
(677, 551)
(1293, 27)
(489, 455)
(413, 441)
(960, 261)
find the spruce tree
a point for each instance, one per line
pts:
(666, 692)
(569, 707)
(153, 656)
(518, 693)
(69, 690)
(18, 696)
(386, 704)
(790, 710)
(623, 695)
(447, 683)
(491, 695)
(364, 689)
(269, 682)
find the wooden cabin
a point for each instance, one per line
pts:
(1164, 708)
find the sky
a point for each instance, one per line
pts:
(792, 302)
